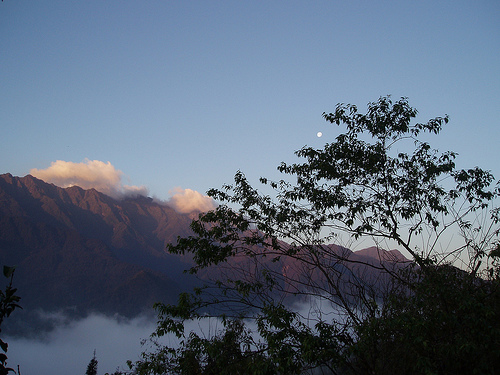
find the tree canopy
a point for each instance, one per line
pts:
(378, 182)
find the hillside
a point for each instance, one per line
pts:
(80, 251)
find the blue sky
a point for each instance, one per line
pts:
(185, 93)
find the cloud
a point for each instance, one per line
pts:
(69, 348)
(103, 177)
(187, 200)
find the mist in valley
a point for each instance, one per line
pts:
(69, 347)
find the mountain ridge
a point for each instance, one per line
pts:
(83, 251)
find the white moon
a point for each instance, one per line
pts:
(319, 134)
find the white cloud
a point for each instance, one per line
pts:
(103, 177)
(187, 200)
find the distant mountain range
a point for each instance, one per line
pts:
(80, 251)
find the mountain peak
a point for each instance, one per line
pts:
(381, 254)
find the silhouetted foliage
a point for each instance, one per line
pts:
(448, 324)
(377, 181)
(92, 366)
(9, 301)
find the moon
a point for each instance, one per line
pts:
(319, 134)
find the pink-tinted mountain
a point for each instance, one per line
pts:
(81, 251)
(84, 251)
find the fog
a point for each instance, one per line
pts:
(68, 349)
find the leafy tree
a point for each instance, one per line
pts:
(447, 325)
(92, 366)
(9, 301)
(379, 181)
(228, 352)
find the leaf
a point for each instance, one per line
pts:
(3, 345)
(8, 271)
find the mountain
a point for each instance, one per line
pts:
(82, 251)
(377, 253)
(79, 251)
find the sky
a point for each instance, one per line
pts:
(182, 94)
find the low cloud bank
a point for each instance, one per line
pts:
(103, 177)
(69, 348)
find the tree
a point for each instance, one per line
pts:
(9, 301)
(377, 181)
(448, 325)
(92, 366)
